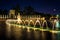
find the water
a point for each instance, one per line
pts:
(17, 33)
(23, 34)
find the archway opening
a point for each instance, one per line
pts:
(31, 24)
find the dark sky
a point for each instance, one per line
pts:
(46, 6)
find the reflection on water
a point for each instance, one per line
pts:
(22, 34)
(17, 33)
(54, 37)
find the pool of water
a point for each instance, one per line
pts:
(17, 33)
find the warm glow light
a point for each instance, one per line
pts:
(57, 24)
(30, 20)
(18, 18)
(8, 22)
(54, 31)
(23, 27)
(19, 26)
(28, 29)
(55, 21)
(43, 18)
(12, 11)
(37, 21)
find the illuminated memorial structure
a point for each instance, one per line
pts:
(34, 22)
(56, 22)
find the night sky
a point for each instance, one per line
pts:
(46, 6)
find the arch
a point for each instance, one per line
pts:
(57, 24)
(44, 24)
(53, 23)
(49, 24)
(37, 24)
(22, 23)
(31, 23)
(26, 22)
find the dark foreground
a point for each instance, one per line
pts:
(23, 34)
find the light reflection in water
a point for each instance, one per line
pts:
(36, 35)
(53, 36)
(16, 32)
(8, 31)
(43, 36)
(29, 35)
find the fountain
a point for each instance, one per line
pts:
(26, 22)
(37, 24)
(31, 23)
(8, 30)
(40, 27)
(56, 24)
(19, 18)
(40, 24)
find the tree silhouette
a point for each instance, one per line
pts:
(28, 10)
(16, 8)
(0, 11)
(5, 12)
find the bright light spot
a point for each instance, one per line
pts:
(23, 27)
(26, 20)
(57, 15)
(55, 21)
(28, 29)
(37, 21)
(34, 29)
(57, 24)
(19, 20)
(53, 31)
(43, 18)
(30, 20)
(19, 26)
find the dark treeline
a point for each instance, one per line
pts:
(3, 12)
(28, 10)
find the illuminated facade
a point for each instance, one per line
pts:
(12, 13)
(32, 20)
(35, 22)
